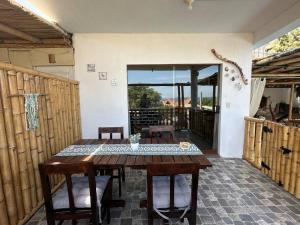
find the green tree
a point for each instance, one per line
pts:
(287, 42)
(136, 93)
(207, 101)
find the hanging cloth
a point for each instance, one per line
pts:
(257, 90)
(32, 111)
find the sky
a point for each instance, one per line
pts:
(170, 76)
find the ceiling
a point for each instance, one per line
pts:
(168, 16)
(21, 28)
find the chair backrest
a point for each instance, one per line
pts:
(171, 169)
(67, 169)
(110, 131)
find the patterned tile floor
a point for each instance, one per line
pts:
(231, 192)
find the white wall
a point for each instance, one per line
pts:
(34, 57)
(64, 71)
(106, 105)
(277, 95)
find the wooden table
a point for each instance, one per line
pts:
(132, 161)
(157, 129)
(111, 162)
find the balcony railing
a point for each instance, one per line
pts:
(140, 118)
(200, 122)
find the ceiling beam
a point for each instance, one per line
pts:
(275, 75)
(33, 45)
(9, 30)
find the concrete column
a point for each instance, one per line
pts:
(194, 88)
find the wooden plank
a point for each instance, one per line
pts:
(140, 160)
(130, 160)
(157, 159)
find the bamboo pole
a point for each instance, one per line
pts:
(29, 142)
(78, 121)
(64, 114)
(56, 106)
(40, 131)
(57, 116)
(267, 147)
(10, 135)
(295, 159)
(274, 150)
(20, 143)
(279, 154)
(49, 117)
(288, 159)
(252, 142)
(246, 140)
(297, 189)
(5, 166)
(285, 142)
(71, 113)
(258, 145)
(271, 148)
(33, 143)
(263, 147)
(40, 152)
(45, 118)
(3, 211)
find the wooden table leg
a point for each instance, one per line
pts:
(143, 203)
(114, 202)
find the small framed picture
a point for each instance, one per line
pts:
(102, 75)
(91, 67)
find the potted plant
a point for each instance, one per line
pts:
(134, 141)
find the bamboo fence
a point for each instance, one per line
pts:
(274, 148)
(21, 150)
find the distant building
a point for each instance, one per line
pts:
(174, 102)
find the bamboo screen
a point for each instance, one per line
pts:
(274, 149)
(21, 150)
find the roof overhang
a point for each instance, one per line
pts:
(21, 28)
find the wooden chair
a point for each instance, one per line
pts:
(83, 197)
(169, 195)
(114, 130)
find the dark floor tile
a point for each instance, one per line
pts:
(275, 209)
(127, 221)
(246, 217)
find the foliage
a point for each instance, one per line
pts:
(287, 42)
(135, 138)
(207, 101)
(136, 94)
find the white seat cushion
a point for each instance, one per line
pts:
(161, 192)
(81, 193)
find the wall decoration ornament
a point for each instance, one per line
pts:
(241, 74)
(91, 67)
(102, 75)
(32, 111)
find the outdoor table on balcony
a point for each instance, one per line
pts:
(158, 129)
(116, 160)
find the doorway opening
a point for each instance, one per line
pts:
(183, 96)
